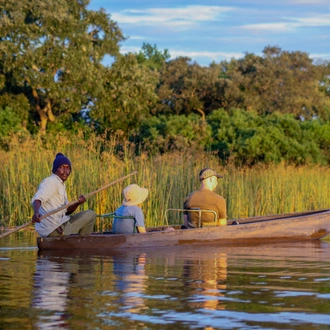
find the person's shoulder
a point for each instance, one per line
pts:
(119, 208)
(217, 195)
(50, 179)
(135, 207)
(135, 210)
(193, 193)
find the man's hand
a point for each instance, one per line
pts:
(36, 206)
(36, 217)
(81, 199)
(72, 208)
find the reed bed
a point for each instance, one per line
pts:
(96, 161)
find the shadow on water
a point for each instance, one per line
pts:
(275, 286)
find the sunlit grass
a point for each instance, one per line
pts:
(96, 162)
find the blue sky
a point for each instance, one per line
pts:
(212, 30)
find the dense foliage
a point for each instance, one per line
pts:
(270, 108)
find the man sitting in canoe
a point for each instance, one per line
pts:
(130, 216)
(50, 196)
(205, 199)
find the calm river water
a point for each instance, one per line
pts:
(282, 286)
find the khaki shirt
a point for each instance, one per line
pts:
(205, 199)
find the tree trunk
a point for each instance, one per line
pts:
(45, 113)
(49, 111)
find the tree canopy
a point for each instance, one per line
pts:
(51, 53)
(288, 82)
(127, 97)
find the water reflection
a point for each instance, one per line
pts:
(270, 286)
(60, 286)
(137, 287)
(51, 286)
(205, 279)
(129, 270)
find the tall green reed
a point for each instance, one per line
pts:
(276, 189)
(97, 161)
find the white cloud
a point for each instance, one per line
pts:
(271, 27)
(320, 56)
(172, 17)
(296, 22)
(322, 20)
(193, 13)
(211, 55)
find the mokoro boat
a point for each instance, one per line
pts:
(303, 226)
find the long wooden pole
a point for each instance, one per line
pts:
(67, 205)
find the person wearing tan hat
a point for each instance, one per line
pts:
(130, 216)
(205, 199)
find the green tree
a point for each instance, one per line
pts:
(288, 82)
(325, 72)
(318, 131)
(246, 138)
(127, 97)
(187, 88)
(51, 52)
(175, 132)
(10, 124)
(152, 57)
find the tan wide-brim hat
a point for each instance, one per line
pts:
(134, 195)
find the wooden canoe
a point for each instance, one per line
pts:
(311, 225)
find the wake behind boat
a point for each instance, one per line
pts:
(311, 225)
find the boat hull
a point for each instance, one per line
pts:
(294, 227)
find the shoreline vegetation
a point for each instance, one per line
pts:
(96, 161)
